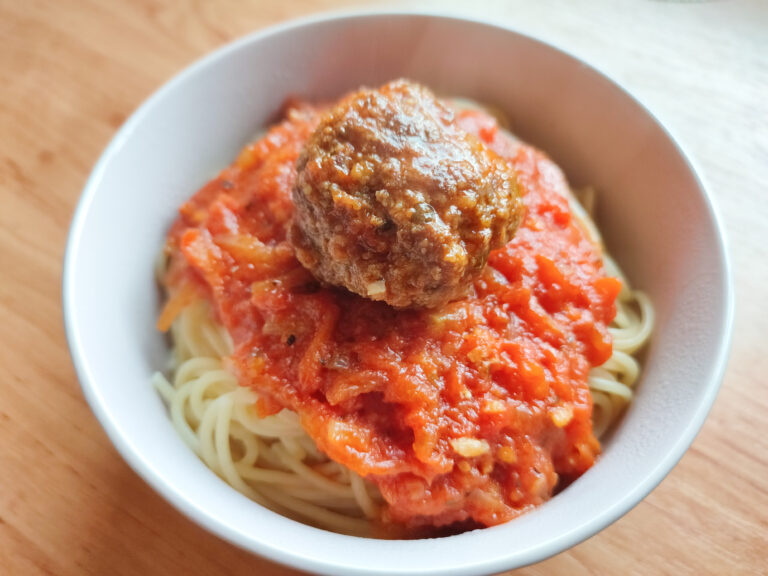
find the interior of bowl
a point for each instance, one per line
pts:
(653, 211)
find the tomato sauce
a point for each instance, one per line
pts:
(471, 413)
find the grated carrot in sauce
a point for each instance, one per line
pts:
(468, 414)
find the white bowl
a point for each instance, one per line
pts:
(654, 210)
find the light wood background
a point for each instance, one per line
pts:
(72, 71)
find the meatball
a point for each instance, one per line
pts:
(394, 202)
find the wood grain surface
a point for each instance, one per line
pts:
(70, 74)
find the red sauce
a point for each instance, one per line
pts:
(388, 392)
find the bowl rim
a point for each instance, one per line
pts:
(210, 521)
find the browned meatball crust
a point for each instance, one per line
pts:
(396, 203)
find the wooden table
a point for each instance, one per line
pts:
(72, 71)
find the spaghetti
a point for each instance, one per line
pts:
(261, 446)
